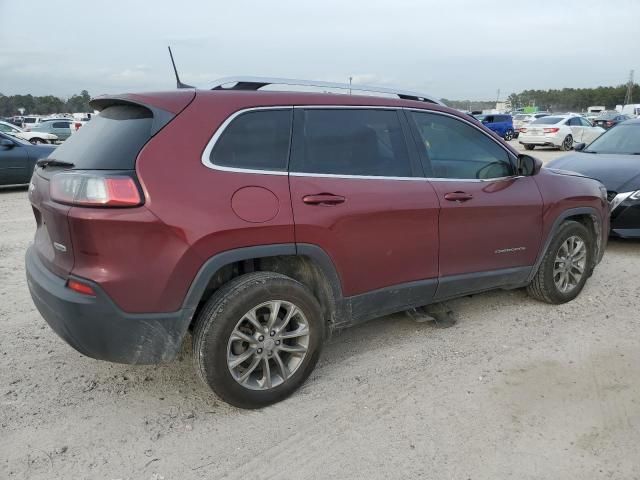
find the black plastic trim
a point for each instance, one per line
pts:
(469, 283)
(385, 301)
(215, 263)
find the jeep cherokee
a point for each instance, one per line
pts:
(263, 220)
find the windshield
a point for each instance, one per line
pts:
(547, 120)
(624, 139)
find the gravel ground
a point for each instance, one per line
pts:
(516, 389)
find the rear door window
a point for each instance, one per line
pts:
(255, 140)
(359, 142)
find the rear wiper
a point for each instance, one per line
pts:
(50, 162)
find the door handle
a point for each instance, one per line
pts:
(458, 196)
(323, 199)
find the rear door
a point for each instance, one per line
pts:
(490, 219)
(576, 128)
(357, 194)
(14, 162)
(589, 132)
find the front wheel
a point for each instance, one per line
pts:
(258, 338)
(565, 266)
(567, 143)
(37, 141)
(508, 135)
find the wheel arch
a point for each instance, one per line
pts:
(588, 216)
(306, 263)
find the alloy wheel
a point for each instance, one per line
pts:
(569, 264)
(267, 345)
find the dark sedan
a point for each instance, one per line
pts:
(614, 159)
(17, 159)
(609, 120)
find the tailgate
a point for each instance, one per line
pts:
(53, 240)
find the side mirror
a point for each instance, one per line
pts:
(528, 165)
(7, 143)
(579, 146)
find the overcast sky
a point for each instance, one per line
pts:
(450, 48)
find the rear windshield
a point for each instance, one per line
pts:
(110, 141)
(547, 120)
(520, 117)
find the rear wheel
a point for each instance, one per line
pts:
(565, 266)
(567, 143)
(258, 338)
(508, 135)
(528, 146)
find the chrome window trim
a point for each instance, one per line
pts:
(205, 158)
(206, 154)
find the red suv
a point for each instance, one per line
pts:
(263, 220)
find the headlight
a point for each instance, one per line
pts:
(635, 195)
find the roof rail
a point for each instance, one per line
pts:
(256, 83)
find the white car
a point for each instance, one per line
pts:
(30, 121)
(32, 137)
(523, 119)
(560, 131)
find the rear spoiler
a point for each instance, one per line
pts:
(164, 106)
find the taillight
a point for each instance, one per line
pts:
(77, 125)
(551, 130)
(523, 130)
(609, 124)
(80, 287)
(92, 190)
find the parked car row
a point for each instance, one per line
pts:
(34, 137)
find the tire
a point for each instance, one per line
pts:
(528, 146)
(544, 286)
(227, 312)
(508, 135)
(567, 143)
(36, 141)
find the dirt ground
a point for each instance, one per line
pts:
(515, 390)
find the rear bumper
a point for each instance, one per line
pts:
(97, 328)
(541, 140)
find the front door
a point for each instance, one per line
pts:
(357, 194)
(490, 219)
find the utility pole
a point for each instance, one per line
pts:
(628, 97)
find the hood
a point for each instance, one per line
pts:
(618, 173)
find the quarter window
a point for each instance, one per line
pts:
(455, 149)
(256, 140)
(363, 142)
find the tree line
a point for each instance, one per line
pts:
(557, 100)
(44, 105)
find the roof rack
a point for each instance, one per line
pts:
(256, 83)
